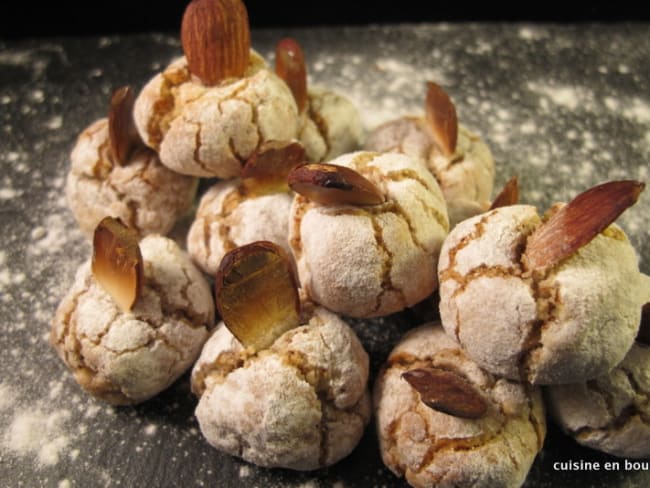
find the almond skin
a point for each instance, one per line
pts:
(578, 222)
(509, 194)
(215, 35)
(447, 392)
(117, 263)
(441, 118)
(122, 133)
(333, 185)
(257, 294)
(290, 66)
(267, 170)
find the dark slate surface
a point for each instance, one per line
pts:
(564, 107)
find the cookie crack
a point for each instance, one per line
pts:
(547, 298)
(387, 257)
(196, 155)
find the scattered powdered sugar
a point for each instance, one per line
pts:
(244, 471)
(638, 111)
(529, 33)
(36, 431)
(9, 193)
(569, 97)
(54, 123)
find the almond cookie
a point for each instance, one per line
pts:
(283, 394)
(443, 421)
(330, 124)
(547, 300)
(610, 413)
(461, 162)
(130, 184)
(208, 111)
(373, 258)
(126, 357)
(255, 207)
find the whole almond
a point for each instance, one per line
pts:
(509, 195)
(578, 222)
(447, 392)
(290, 66)
(122, 133)
(117, 263)
(441, 118)
(216, 39)
(330, 184)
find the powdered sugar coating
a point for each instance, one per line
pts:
(228, 218)
(212, 130)
(128, 357)
(366, 261)
(575, 322)
(331, 125)
(466, 178)
(143, 193)
(301, 404)
(431, 448)
(609, 413)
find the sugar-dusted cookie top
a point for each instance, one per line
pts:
(428, 435)
(370, 259)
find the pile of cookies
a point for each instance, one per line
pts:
(310, 222)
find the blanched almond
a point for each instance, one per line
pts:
(330, 184)
(117, 263)
(257, 294)
(267, 170)
(441, 117)
(216, 39)
(509, 194)
(578, 222)
(447, 391)
(290, 66)
(122, 133)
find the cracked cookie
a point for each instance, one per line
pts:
(547, 300)
(291, 392)
(126, 357)
(113, 174)
(610, 413)
(481, 430)
(208, 111)
(461, 162)
(363, 258)
(330, 124)
(255, 207)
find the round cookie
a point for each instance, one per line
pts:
(465, 174)
(609, 413)
(331, 125)
(573, 321)
(211, 131)
(228, 218)
(431, 448)
(372, 260)
(127, 357)
(300, 404)
(141, 192)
